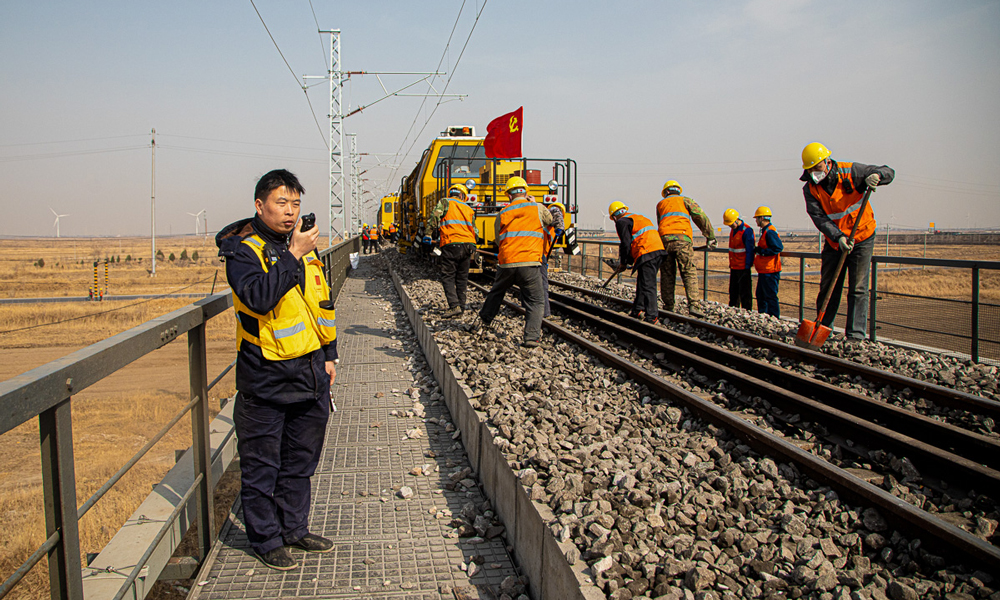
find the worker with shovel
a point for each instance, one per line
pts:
(836, 196)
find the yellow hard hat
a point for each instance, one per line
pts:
(763, 211)
(730, 216)
(459, 187)
(516, 182)
(813, 154)
(366, 224)
(671, 184)
(616, 207)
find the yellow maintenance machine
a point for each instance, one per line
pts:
(387, 213)
(458, 156)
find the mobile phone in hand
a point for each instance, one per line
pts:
(308, 221)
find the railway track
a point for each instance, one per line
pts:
(854, 424)
(825, 363)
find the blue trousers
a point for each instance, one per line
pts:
(767, 293)
(279, 446)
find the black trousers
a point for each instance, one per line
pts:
(530, 281)
(279, 446)
(645, 288)
(454, 263)
(739, 289)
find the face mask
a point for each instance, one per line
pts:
(817, 176)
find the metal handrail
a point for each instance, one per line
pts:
(975, 266)
(46, 393)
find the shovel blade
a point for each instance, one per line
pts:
(811, 335)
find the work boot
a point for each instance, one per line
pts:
(454, 311)
(311, 542)
(530, 344)
(279, 559)
(695, 311)
(479, 326)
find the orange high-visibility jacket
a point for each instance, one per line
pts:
(645, 238)
(842, 207)
(766, 264)
(737, 249)
(672, 216)
(457, 226)
(521, 237)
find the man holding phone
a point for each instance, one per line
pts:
(285, 364)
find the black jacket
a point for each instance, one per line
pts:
(284, 381)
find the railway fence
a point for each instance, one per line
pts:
(946, 321)
(183, 498)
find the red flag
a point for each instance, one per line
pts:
(503, 135)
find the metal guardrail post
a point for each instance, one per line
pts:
(55, 428)
(200, 445)
(974, 334)
(873, 301)
(704, 278)
(802, 288)
(600, 260)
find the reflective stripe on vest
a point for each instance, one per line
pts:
(737, 249)
(296, 325)
(521, 239)
(645, 238)
(842, 206)
(673, 217)
(457, 224)
(766, 264)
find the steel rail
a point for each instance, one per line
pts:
(930, 391)
(900, 513)
(980, 448)
(927, 457)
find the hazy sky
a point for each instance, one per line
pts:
(721, 96)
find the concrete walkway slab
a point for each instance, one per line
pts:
(384, 546)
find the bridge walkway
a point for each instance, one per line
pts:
(384, 546)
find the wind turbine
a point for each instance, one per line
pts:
(196, 217)
(56, 224)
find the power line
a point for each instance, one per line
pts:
(312, 111)
(193, 137)
(430, 86)
(104, 312)
(234, 153)
(23, 157)
(322, 46)
(113, 137)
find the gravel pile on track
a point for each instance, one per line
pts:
(944, 370)
(660, 504)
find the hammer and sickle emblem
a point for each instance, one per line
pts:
(513, 124)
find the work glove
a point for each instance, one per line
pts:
(845, 244)
(872, 180)
(614, 264)
(713, 243)
(559, 232)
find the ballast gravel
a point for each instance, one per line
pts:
(660, 504)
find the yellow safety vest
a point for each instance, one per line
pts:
(297, 325)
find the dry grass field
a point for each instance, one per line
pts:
(114, 418)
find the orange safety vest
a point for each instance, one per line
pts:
(766, 264)
(522, 238)
(458, 223)
(673, 217)
(842, 206)
(737, 251)
(392, 228)
(645, 238)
